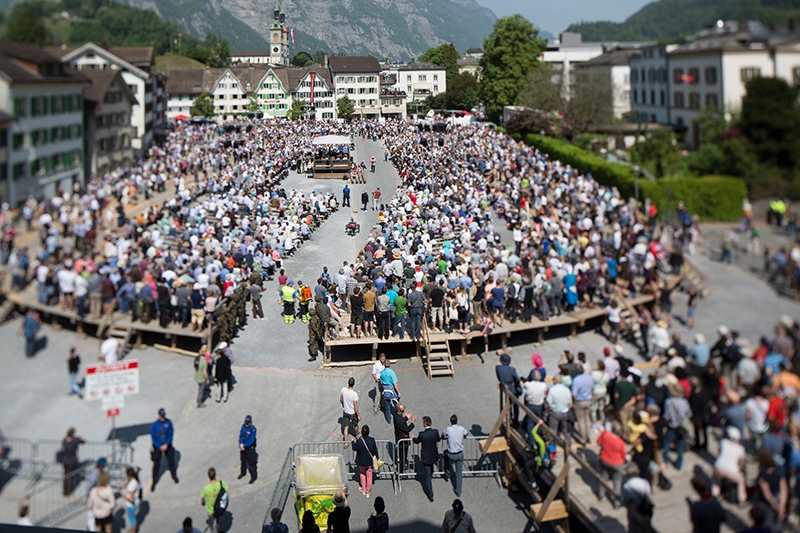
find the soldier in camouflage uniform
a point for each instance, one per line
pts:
(315, 332)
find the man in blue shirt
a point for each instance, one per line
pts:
(582, 389)
(699, 353)
(391, 391)
(161, 432)
(247, 449)
(30, 327)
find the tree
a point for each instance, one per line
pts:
(474, 50)
(220, 54)
(302, 60)
(345, 107)
(462, 92)
(202, 107)
(771, 121)
(318, 57)
(25, 25)
(511, 51)
(446, 56)
(296, 112)
(253, 105)
(659, 151)
(540, 92)
(589, 103)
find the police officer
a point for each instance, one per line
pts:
(161, 433)
(288, 297)
(247, 449)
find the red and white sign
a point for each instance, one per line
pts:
(108, 381)
(111, 413)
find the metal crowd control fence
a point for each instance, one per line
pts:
(282, 488)
(476, 464)
(18, 457)
(48, 505)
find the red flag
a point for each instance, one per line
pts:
(292, 32)
(313, 78)
(687, 79)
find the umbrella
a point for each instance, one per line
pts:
(181, 117)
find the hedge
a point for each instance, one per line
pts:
(714, 198)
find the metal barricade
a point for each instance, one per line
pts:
(18, 457)
(476, 464)
(114, 451)
(282, 488)
(386, 453)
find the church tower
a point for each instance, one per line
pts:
(279, 37)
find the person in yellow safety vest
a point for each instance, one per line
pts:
(305, 299)
(288, 296)
(776, 211)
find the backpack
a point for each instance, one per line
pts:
(511, 291)
(196, 363)
(221, 503)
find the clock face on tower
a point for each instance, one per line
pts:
(275, 49)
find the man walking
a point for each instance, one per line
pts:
(372, 162)
(364, 200)
(456, 520)
(403, 426)
(391, 390)
(350, 414)
(208, 498)
(416, 308)
(429, 454)
(346, 196)
(376, 199)
(377, 368)
(161, 433)
(73, 364)
(559, 400)
(30, 327)
(454, 454)
(248, 458)
(255, 297)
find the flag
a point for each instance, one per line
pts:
(291, 31)
(687, 79)
(312, 77)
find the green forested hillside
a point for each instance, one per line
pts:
(672, 18)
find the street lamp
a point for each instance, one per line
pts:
(636, 182)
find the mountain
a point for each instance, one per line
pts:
(671, 18)
(397, 29)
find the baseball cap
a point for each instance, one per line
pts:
(606, 351)
(102, 462)
(162, 413)
(457, 505)
(248, 419)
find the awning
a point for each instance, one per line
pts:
(327, 140)
(181, 117)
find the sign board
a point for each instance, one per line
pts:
(112, 402)
(112, 413)
(116, 379)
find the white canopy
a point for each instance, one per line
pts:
(331, 140)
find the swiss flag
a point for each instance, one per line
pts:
(687, 79)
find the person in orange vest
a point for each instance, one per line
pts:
(305, 300)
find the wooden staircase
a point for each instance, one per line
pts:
(693, 276)
(438, 360)
(630, 318)
(125, 338)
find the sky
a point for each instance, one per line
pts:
(554, 17)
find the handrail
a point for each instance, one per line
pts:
(282, 488)
(504, 392)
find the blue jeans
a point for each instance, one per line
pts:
(674, 435)
(399, 323)
(30, 346)
(388, 405)
(415, 322)
(538, 410)
(41, 291)
(73, 386)
(456, 461)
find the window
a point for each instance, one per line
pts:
(694, 101)
(677, 76)
(678, 100)
(435, 77)
(750, 73)
(663, 99)
(55, 134)
(17, 141)
(634, 76)
(36, 106)
(651, 75)
(408, 89)
(635, 96)
(436, 88)
(711, 101)
(627, 79)
(695, 75)
(37, 138)
(422, 77)
(662, 75)
(20, 107)
(625, 96)
(652, 98)
(711, 76)
(796, 76)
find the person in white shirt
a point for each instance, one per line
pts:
(109, 350)
(66, 284)
(377, 368)
(730, 464)
(81, 285)
(349, 400)
(130, 495)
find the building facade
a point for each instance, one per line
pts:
(45, 140)
(566, 52)
(147, 86)
(420, 80)
(107, 119)
(650, 84)
(358, 78)
(608, 78)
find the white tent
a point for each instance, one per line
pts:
(327, 140)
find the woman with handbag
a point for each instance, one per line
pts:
(101, 502)
(366, 458)
(68, 456)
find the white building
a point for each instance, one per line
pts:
(231, 90)
(650, 100)
(711, 71)
(420, 80)
(45, 147)
(393, 99)
(358, 78)
(566, 52)
(147, 86)
(470, 64)
(107, 119)
(609, 76)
